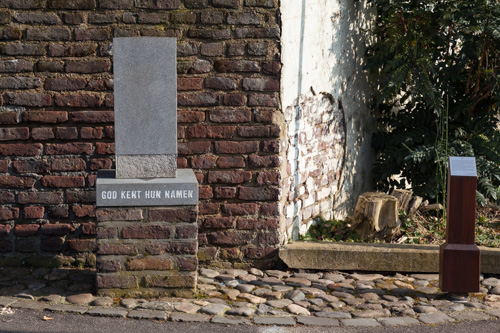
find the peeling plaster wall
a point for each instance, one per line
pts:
(323, 47)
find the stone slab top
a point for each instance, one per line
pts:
(120, 192)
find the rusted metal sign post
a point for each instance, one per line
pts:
(459, 257)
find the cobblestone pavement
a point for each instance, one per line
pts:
(272, 297)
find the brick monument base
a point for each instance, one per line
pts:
(147, 251)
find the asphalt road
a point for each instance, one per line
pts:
(32, 321)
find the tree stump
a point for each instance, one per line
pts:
(376, 214)
(404, 198)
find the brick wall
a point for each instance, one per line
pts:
(56, 120)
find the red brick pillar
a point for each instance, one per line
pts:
(147, 251)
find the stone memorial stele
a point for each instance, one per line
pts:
(145, 91)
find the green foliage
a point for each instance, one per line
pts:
(438, 67)
(330, 230)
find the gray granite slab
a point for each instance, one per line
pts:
(146, 166)
(147, 314)
(67, 308)
(114, 192)
(188, 317)
(316, 321)
(108, 312)
(398, 321)
(283, 321)
(145, 95)
(435, 318)
(360, 322)
(33, 305)
(6, 301)
(230, 321)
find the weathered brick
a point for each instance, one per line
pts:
(26, 245)
(52, 244)
(174, 280)
(258, 49)
(106, 233)
(147, 232)
(256, 161)
(116, 249)
(190, 116)
(7, 197)
(234, 66)
(79, 196)
(35, 18)
(20, 149)
(187, 49)
(228, 238)
(74, 18)
(61, 211)
(258, 193)
(216, 34)
(229, 177)
(65, 84)
(234, 99)
(196, 3)
(16, 66)
(50, 66)
(260, 84)
(88, 228)
(115, 4)
(103, 148)
(189, 83)
(92, 116)
(91, 133)
(63, 181)
(258, 131)
(236, 147)
(271, 67)
(97, 18)
(72, 50)
(244, 18)
(236, 49)
(225, 192)
(187, 263)
(48, 117)
(108, 266)
(9, 118)
(215, 222)
(271, 100)
(78, 100)
(4, 166)
(172, 215)
(5, 230)
(5, 16)
(92, 34)
(240, 209)
(26, 230)
(112, 281)
(207, 208)
(203, 162)
(19, 82)
(47, 198)
(100, 163)
(16, 182)
(261, 253)
(269, 178)
(197, 99)
(212, 49)
(271, 32)
(17, 133)
(81, 245)
(261, 3)
(66, 133)
(42, 133)
(221, 83)
(257, 224)
(74, 4)
(119, 214)
(270, 237)
(83, 210)
(195, 147)
(68, 164)
(149, 264)
(230, 116)
(58, 229)
(10, 33)
(271, 209)
(158, 4)
(177, 247)
(227, 162)
(9, 213)
(87, 66)
(186, 231)
(234, 4)
(28, 99)
(205, 193)
(48, 33)
(68, 148)
(33, 212)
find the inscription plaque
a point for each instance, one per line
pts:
(115, 192)
(463, 166)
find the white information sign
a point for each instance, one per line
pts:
(463, 166)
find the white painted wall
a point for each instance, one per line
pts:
(323, 47)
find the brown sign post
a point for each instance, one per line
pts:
(459, 257)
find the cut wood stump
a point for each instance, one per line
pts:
(404, 198)
(376, 214)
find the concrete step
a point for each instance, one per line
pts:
(374, 257)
